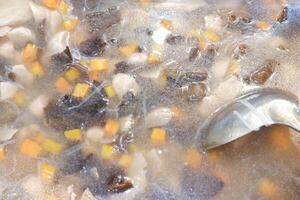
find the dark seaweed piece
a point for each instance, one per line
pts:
(102, 20)
(62, 58)
(122, 67)
(283, 15)
(118, 183)
(69, 112)
(72, 162)
(175, 39)
(92, 47)
(261, 75)
(194, 53)
(122, 142)
(201, 186)
(128, 105)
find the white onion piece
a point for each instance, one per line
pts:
(213, 22)
(34, 187)
(137, 173)
(87, 195)
(152, 73)
(220, 68)
(21, 36)
(38, 105)
(137, 58)
(126, 123)
(7, 90)
(23, 76)
(160, 35)
(4, 30)
(187, 5)
(158, 117)
(95, 134)
(124, 83)
(53, 23)
(7, 133)
(58, 43)
(7, 50)
(14, 12)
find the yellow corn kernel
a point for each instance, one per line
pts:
(37, 69)
(2, 154)
(158, 136)
(30, 148)
(193, 158)
(47, 171)
(63, 7)
(263, 25)
(99, 64)
(107, 151)
(153, 58)
(267, 188)
(128, 50)
(81, 90)
(72, 74)
(125, 161)
(202, 43)
(52, 4)
(94, 75)
(70, 24)
(110, 91)
(211, 35)
(52, 146)
(167, 24)
(111, 127)
(73, 135)
(63, 85)
(19, 98)
(30, 53)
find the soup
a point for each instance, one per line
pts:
(103, 99)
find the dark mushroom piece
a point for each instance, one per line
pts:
(283, 15)
(175, 39)
(92, 47)
(194, 91)
(194, 53)
(128, 105)
(122, 67)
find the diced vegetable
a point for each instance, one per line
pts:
(47, 171)
(110, 91)
(128, 50)
(178, 113)
(145, 2)
(30, 53)
(167, 24)
(125, 161)
(193, 158)
(51, 146)
(267, 188)
(81, 90)
(70, 24)
(158, 136)
(111, 127)
(37, 69)
(211, 35)
(107, 151)
(153, 58)
(2, 154)
(99, 64)
(52, 4)
(63, 85)
(263, 25)
(30, 148)
(279, 138)
(73, 135)
(19, 98)
(94, 75)
(63, 7)
(72, 74)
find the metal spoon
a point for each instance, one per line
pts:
(248, 113)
